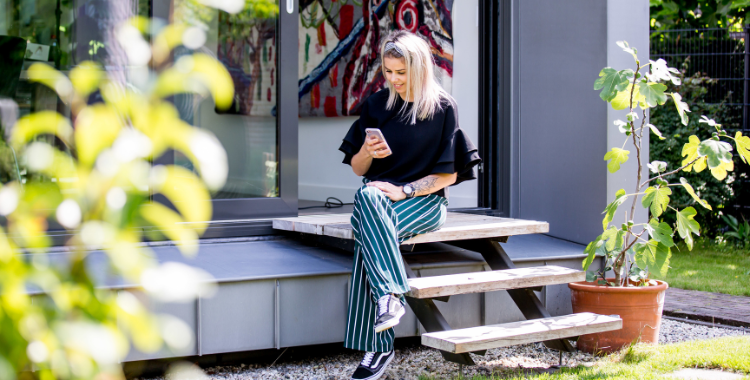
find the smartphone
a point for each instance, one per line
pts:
(379, 134)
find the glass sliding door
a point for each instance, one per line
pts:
(258, 46)
(61, 34)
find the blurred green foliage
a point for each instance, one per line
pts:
(681, 14)
(92, 174)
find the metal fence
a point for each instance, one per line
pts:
(717, 53)
(723, 56)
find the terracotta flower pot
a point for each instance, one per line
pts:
(639, 307)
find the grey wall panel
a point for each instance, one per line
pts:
(562, 120)
(500, 308)
(409, 325)
(186, 312)
(313, 310)
(557, 300)
(239, 317)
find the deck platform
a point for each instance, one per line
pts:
(458, 226)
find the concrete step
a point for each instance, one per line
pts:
(479, 282)
(510, 334)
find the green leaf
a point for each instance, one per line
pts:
(692, 193)
(682, 108)
(172, 225)
(690, 152)
(653, 255)
(661, 72)
(86, 77)
(687, 226)
(195, 73)
(186, 191)
(47, 75)
(42, 122)
(617, 156)
(626, 48)
(590, 250)
(720, 172)
(743, 146)
(660, 232)
(622, 126)
(591, 276)
(657, 166)
(711, 122)
(615, 238)
(657, 200)
(656, 131)
(97, 127)
(611, 81)
(653, 92)
(609, 212)
(622, 100)
(716, 152)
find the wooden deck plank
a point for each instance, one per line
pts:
(509, 334)
(458, 226)
(479, 282)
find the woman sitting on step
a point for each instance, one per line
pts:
(405, 191)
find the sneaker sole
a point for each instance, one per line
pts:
(392, 322)
(377, 375)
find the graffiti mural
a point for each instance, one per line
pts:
(338, 53)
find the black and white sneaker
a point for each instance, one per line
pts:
(390, 311)
(373, 365)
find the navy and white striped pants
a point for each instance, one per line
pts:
(380, 225)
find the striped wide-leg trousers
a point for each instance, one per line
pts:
(379, 226)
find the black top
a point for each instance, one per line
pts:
(431, 146)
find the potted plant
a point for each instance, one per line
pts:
(634, 250)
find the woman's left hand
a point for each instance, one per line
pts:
(395, 193)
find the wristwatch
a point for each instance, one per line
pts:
(409, 191)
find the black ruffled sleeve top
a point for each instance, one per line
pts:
(431, 146)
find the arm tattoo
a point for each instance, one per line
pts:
(424, 185)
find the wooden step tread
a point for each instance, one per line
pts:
(479, 282)
(510, 334)
(458, 226)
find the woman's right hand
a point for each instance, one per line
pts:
(376, 148)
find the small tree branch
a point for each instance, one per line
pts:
(621, 257)
(670, 173)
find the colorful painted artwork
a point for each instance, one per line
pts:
(247, 47)
(339, 61)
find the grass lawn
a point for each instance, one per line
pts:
(710, 268)
(652, 362)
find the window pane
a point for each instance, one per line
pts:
(246, 44)
(61, 33)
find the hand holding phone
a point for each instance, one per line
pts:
(376, 145)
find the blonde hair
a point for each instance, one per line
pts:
(421, 85)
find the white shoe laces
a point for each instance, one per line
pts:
(368, 359)
(383, 303)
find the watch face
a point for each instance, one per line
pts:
(408, 190)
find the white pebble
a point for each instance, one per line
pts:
(410, 362)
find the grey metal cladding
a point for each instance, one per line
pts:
(408, 326)
(312, 310)
(500, 308)
(185, 311)
(239, 317)
(562, 123)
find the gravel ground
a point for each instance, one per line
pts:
(410, 362)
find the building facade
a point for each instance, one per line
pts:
(521, 72)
